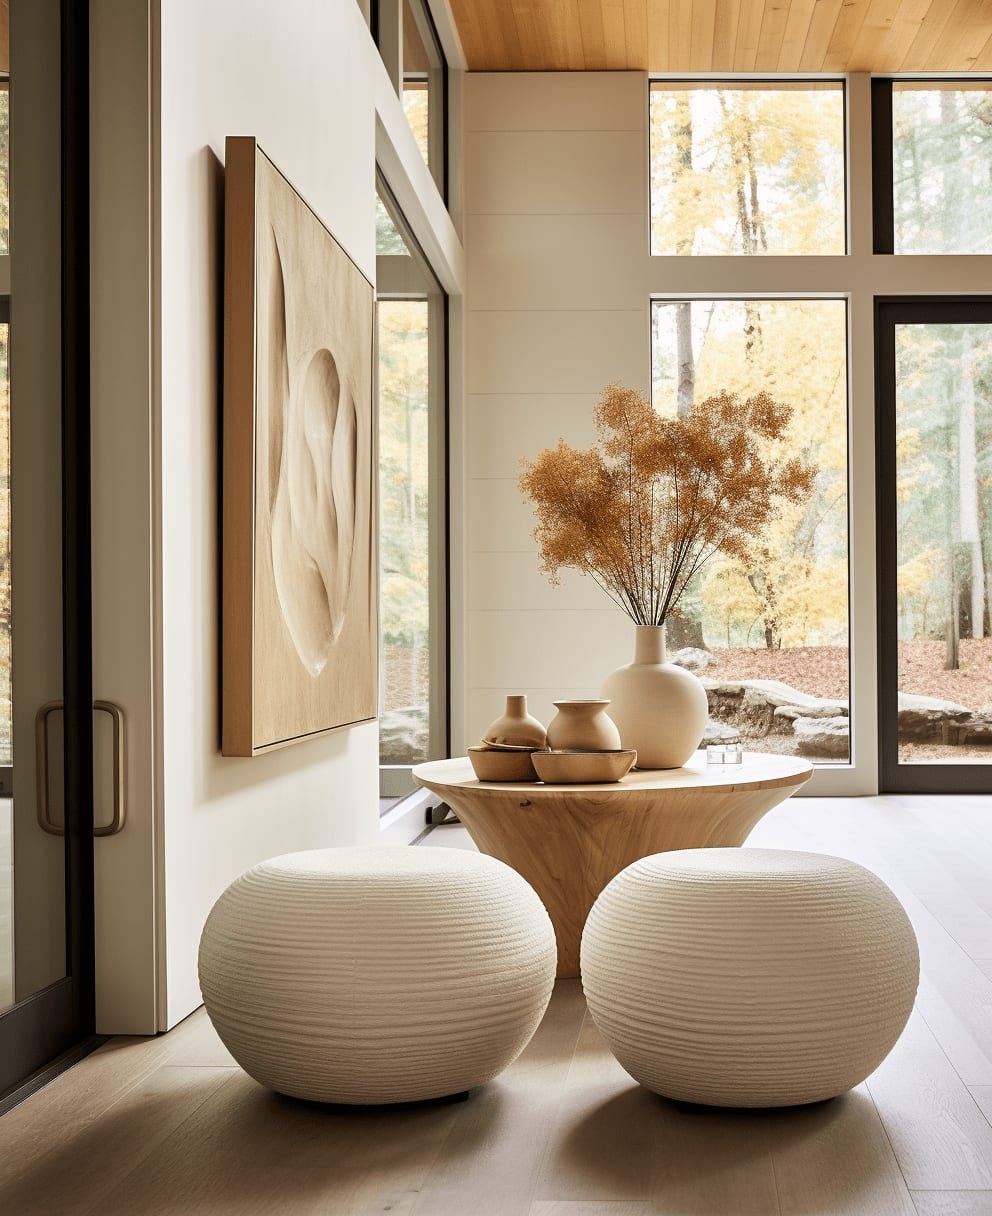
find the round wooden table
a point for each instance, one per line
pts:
(568, 841)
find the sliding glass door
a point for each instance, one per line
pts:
(934, 401)
(46, 769)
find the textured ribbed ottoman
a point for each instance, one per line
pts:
(371, 975)
(749, 977)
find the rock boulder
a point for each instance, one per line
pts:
(826, 738)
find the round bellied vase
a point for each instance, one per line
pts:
(516, 727)
(583, 726)
(659, 708)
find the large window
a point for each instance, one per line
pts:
(783, 618)
(410, 318)
(747, 169)
(886, 362)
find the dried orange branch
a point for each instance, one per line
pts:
(656, 498)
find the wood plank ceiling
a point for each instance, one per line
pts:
(726, 35)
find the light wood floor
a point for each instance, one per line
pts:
(150, 1127)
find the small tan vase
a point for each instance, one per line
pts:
(516, 728)
(583, 726)
(661, 709)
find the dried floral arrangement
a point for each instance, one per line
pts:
(655, 498)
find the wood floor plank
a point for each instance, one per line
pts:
(971, 1061)
(953, 1203)
(711, 1161)
(938, 1134)
(496, 1145)
(834, 1159)
(254, 1153)
(83, 1093)
(566, 1207)
(83, 1162)
(606, 1135)
(983, 1096)
(195, 1042)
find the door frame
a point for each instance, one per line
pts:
(893, 776)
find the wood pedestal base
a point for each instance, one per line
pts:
(569, 841)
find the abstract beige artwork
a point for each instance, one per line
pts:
(299, 627)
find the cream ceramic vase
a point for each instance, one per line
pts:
(660, 709)
(583, 726)
(516, 728)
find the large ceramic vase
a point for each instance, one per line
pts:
(660, 709)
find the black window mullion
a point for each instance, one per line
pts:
(882, 186)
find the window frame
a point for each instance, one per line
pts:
(386, 26)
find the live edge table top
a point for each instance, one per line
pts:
(569, 841)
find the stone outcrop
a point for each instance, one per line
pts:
(823, 738)
(762, 707)
(759, 708)
(719, 732)
(820, 726)
(403, 735)
(928, 718)
(692, 658)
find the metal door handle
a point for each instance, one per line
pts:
(45, 821)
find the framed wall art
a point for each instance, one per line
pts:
(299, 636)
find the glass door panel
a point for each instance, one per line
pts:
(935, 544)
(46, 843)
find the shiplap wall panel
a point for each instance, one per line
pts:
(555, 308)
(726, 35)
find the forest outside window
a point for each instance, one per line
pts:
(942, 167)
(410, 318)
(747, 169)
(785, 615)
(932, 166)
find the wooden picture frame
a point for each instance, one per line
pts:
(299, 623)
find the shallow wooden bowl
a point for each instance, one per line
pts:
(497, 764)
(583, 768)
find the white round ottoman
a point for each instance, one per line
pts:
(749, 977)
(369, 975)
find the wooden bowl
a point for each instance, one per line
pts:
(583, 768)
(497, 764)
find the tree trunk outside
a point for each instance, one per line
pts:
(682, 631)
(686, 371)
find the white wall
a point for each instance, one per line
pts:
(556, 230)
(170, 79)
(297, 75)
